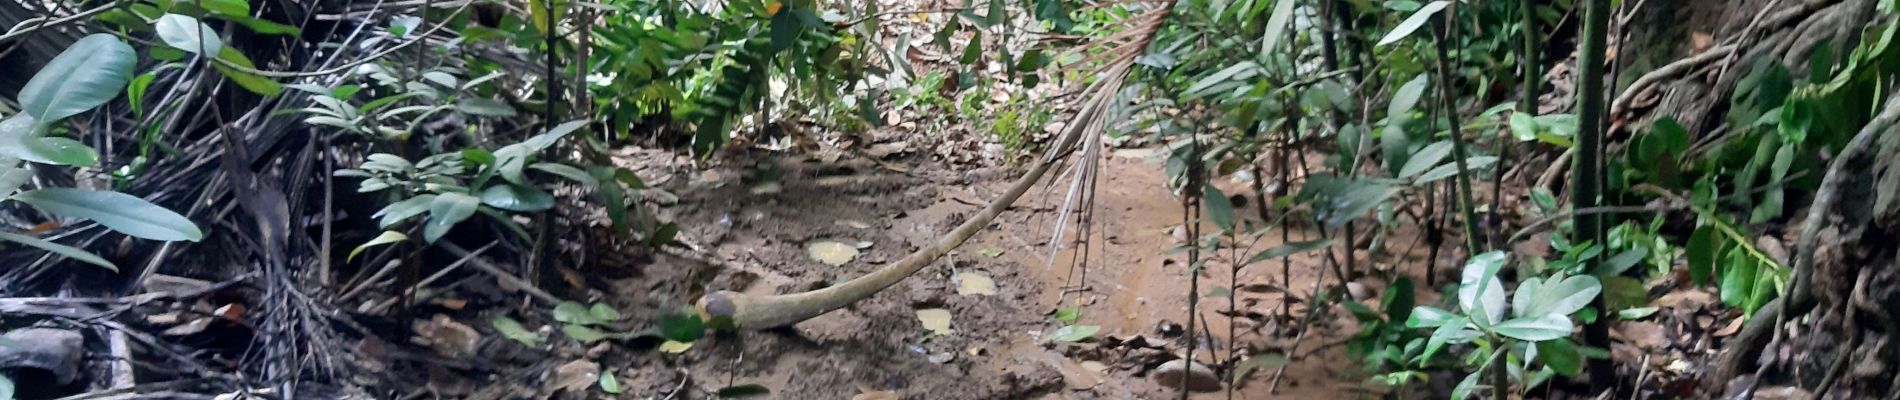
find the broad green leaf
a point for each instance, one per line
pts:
(447, 210)
(582, 333)
(1738, 278)
(121, 212)
(785, 29)
(6, 388)
(682, 327)
(1276, 25)
(511, 329)
(188, 34)
(387, 237)
(254, 83)
(1219, 208)
(574, 313)
(539, 11)
(13, 175)
(1412, 23)
(1451, 332)
(227, 7)
(1547, 327)
(513, 197)
(609, 383)
(1407, 97)
(135, 94)
(1399, 301)
(486, 107)
(997, 13)
(1239, 71)
(972, 51)
(1074, 333)
(742, 391)
(59, 151)
(1289, 249)
(1616, 265)
(60, 249)
(604, 313)
(1425, 159)
(1480, 294)
(402, 210)
(1351, 200)
(1523, 126)
(569, 172)
(1068, 315)
(1450, 169)
(1428, 317)
(1466, 386)
(1561, 355)
(1559, 296)
(1704, 246)
(262, 26)
(89, 73)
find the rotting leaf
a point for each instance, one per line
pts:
(1259, 362)
(674, 347)
(991, 252)
(573, 376)
(971, 283)
(936, 320)
(832, 253)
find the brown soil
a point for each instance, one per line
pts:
(751, 221)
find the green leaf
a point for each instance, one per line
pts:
(1547, 327)
(60, 249)
(1480, 294)
(1219, 208)
(59, 151)
(188, 34)
(121, 212)
(1425, 159)
(582, 333)
(1399, 300)
(1472, 165)
(254, 83)
(1407, 97)
(973, 51)
(1428, 317)
(1350, 200)
(602, 312)
(742, 391)
(387, 237)
(538, 12)
(1523, 126)
(1451, 332)
(1616, 265)
(1073, 333)
(89, 73)
(447, 210)
(402, 210)
(1561, 355)
(574, 313)
(486, 107)
(227, 7)
(12, 176)
(785, 29)
(683, 327)
(1738, 278)
(1068, 315)
(1238, 71)
(1559, 296)
(135, 94)
(517, 198)
(1703, 246)
(6, 388)
(1276, 25)
(608, 383)
(1289, 249)
(1466, 386)
(511, 329)
(263, 26)
(1412, 23)
(996, 15)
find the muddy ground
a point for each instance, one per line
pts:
(751, 217)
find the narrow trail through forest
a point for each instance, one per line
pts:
(757, 219)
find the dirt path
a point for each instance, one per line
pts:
(757, 218)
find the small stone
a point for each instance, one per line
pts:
(1358, 291)
(943, 357)
(1199, 378)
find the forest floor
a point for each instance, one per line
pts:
(756, 215)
